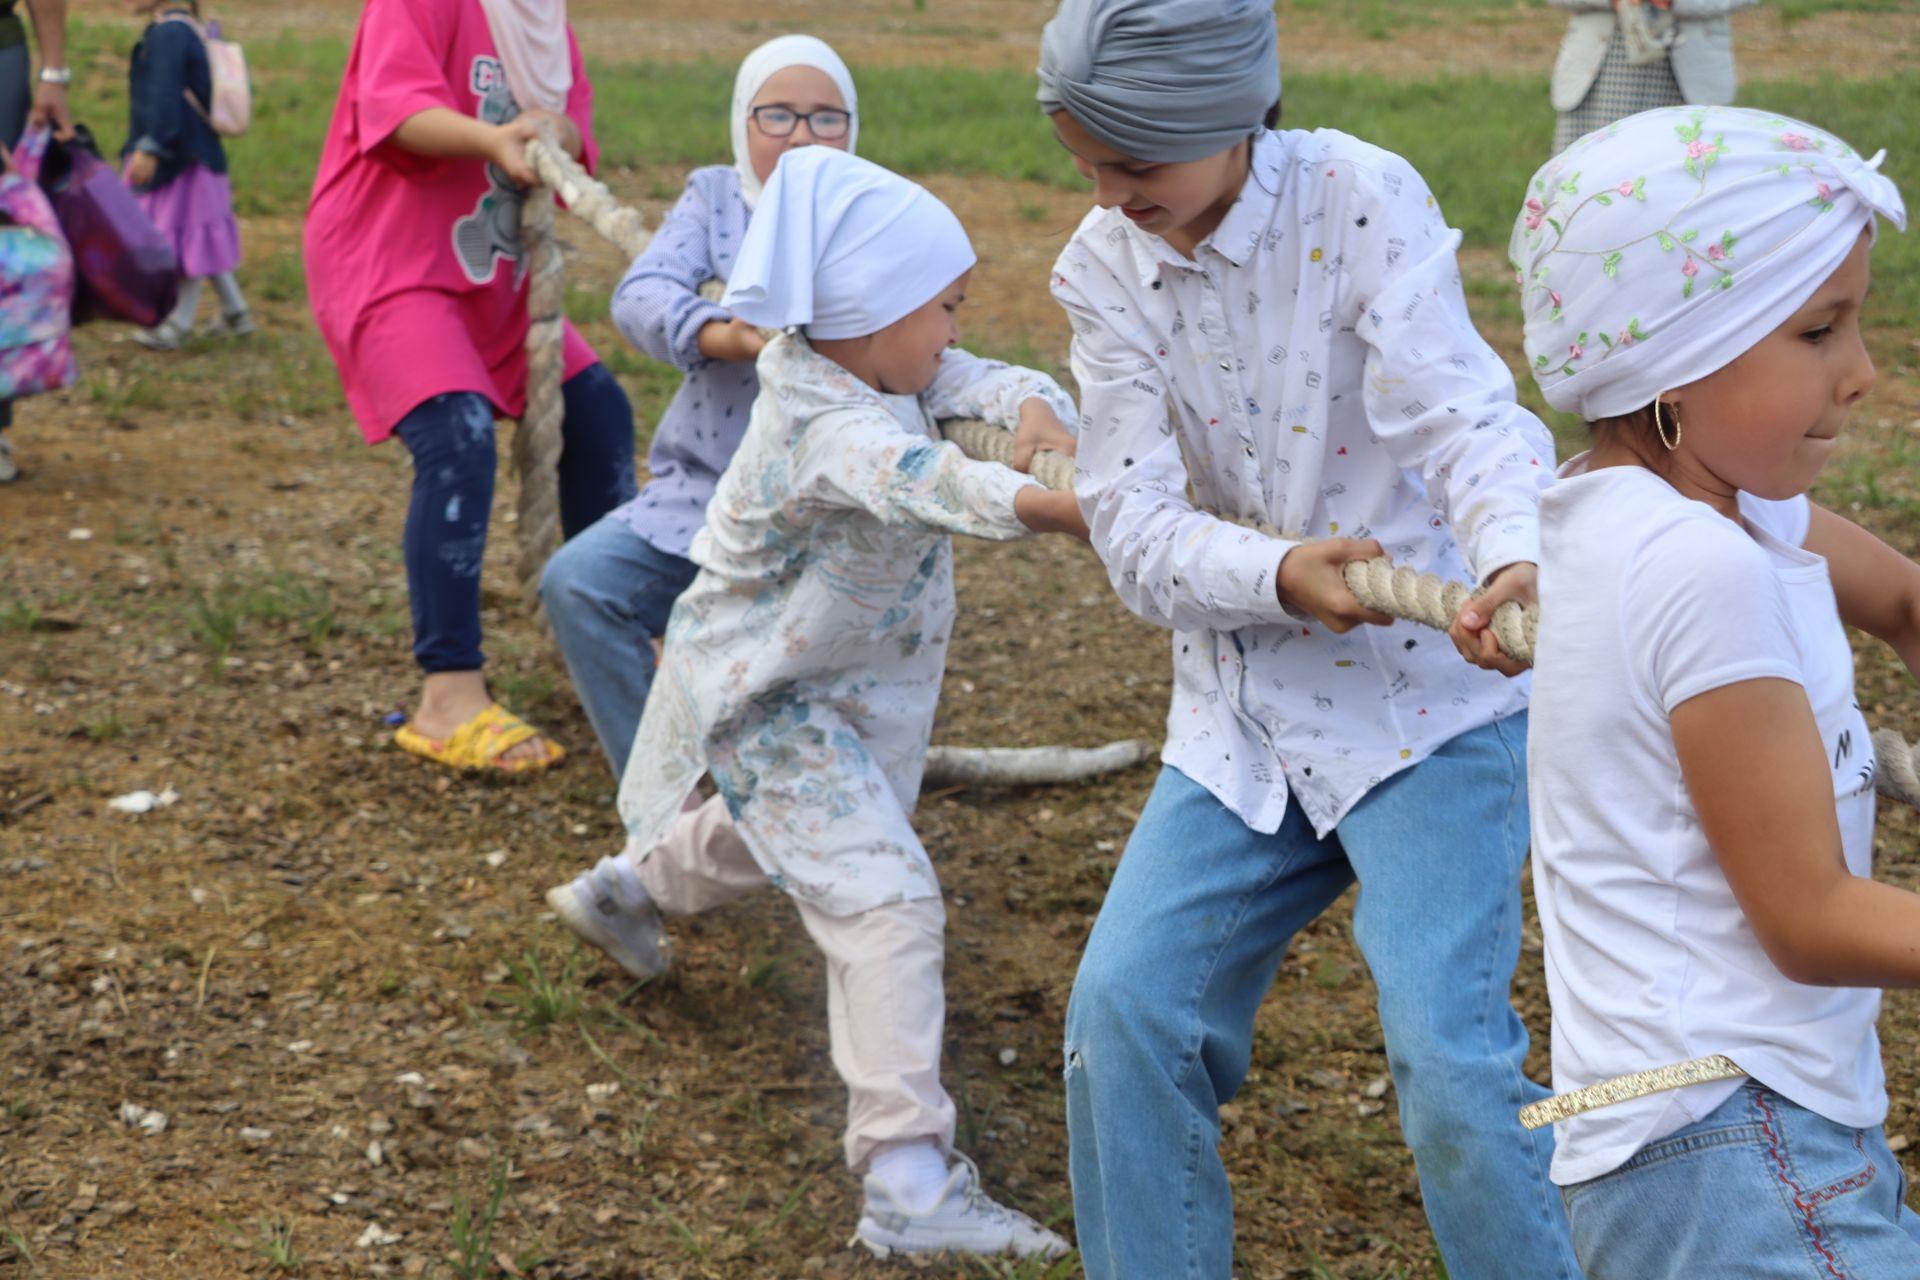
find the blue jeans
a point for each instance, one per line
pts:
(608, 593)
(1195, 924)
(452, 441)
(1760, 1189)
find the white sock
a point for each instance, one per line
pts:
(914, 1173)
(619, 876)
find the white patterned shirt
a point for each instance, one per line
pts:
(1313, 365)
(802, 666)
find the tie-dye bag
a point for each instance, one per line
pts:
(36, 281)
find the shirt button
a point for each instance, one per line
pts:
(1226, 366)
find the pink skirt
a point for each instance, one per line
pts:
(195, 213)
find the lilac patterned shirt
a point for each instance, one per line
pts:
(1313, 365)
(658, 309)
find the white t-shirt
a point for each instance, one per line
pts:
(1648, 599)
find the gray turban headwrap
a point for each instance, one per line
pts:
(1162, 80)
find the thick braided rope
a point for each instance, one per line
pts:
(1378, 584)
(538, 442)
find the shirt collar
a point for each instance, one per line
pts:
(1240, 231)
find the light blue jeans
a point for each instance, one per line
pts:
(1199, 915)
(608, 592)
(1760, 1189)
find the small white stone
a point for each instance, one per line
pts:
(79, 535)
(376, 1235)
(376, 1154)
(1008, 1057)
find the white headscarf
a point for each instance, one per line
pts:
(759, 67)
(531, 39)
(1659, 249)
(844, 247)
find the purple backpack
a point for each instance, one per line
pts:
(36, 282)
(126, 268)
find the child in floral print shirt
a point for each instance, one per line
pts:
(802, 666)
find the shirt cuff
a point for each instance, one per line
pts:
(1508, 539)
(1245, 573)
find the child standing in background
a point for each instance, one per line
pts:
(609, 591)
(178, 169)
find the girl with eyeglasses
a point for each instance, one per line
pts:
(608, 592)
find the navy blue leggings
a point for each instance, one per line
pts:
(451, 438)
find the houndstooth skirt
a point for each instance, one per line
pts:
(1619, 90)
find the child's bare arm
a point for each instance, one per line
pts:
(1049, 511)
(444, 132)
(1757, 772)
(1877, 588)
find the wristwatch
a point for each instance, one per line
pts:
(56, 75)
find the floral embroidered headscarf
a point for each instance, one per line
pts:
(1657, 250)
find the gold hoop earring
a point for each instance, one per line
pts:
(1660, 427)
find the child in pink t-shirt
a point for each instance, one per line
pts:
(414, 269)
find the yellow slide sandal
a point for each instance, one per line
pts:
(480, 742)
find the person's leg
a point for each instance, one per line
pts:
(233, 305)
(886, 1011)
(1438, 851)
(1760, 1188)
(183, 311)
(886, 1007)
(596, 459)
(701, 864)
(451, 438)
(177, 325)
(608, 593)
(1160, 1024)
(616, 906)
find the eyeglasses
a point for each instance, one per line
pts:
(828, 124)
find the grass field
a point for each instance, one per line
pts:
(326, 963)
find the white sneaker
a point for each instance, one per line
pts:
(963, 1220)
(637, 940)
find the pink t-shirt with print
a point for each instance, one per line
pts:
(413, 262)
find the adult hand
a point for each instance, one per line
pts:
(729, 339)
(50, 107)
(141, 167)
(1050, 511)
(1472, 629)
(1312, 580)
(1039, 428)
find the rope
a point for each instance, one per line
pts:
(1378, 584)
(538, 442)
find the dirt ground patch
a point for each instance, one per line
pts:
(327, 965)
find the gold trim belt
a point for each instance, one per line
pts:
(1680, 1075)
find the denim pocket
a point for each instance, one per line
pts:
(1693, 1141)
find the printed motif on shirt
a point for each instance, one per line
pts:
(492, 231)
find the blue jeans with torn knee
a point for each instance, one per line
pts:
(451, 438)
(1193, 930)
